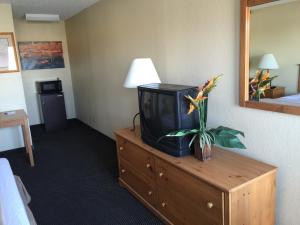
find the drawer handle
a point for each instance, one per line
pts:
(123, 171)
(148, 165)
(149, 193)
(210, 205)
(161, 174)
(164, 204)
(121, 148)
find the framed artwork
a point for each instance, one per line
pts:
(41, 55)
(8, 54)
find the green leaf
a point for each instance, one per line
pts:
(193, 138)
(179, 133)
(260, 74)
(227, 137)
(226, 130)
(266, 82)
(229, 141)
(182, 133)
(207, 140)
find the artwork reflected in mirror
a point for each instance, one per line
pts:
(8, 55)
(274, 73)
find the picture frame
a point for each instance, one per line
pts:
(37, 55)
(9, 62)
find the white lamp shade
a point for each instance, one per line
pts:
(268, 62)
(141, 72)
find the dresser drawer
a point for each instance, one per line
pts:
(145, 188)
(275, 92)
(187, 200)
(138, 158)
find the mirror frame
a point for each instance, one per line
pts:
(13, 40)
(244, 64)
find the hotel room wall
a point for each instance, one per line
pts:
(189, 42)
(277, 30)
(11, 90)
(37, 31)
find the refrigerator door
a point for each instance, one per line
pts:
(54, 111)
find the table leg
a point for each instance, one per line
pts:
(27, 141)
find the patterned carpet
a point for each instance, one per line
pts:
(75, 180)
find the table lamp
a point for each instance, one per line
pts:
(141, 72)
(268, 62)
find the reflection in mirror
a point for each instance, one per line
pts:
(275, 53)
(8, 55)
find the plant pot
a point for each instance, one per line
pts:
(202, 154)
(255, 98)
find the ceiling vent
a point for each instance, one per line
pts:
(42, 17)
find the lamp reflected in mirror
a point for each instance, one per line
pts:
(268, 62)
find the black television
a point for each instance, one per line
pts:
(163, 108)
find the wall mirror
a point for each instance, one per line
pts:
(8, 53)
(270, 55)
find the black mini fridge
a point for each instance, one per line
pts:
(53, 108)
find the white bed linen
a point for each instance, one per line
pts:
(293, 100)
(12, 209)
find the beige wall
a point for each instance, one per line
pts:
(189, 41)
(36, 31)
(276, 30)
(11, 90)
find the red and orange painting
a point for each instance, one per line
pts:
(41, 55)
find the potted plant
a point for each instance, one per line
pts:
(259, 84)
(203, 138)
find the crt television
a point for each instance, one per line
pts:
(163, 108)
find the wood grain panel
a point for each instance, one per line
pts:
(244, 52)
(194, 197)
(226, 171)
(19, 118)
(140, 159)
(295, 110)
(254, 204)
(228, 190)
(180, 211)
(258, 2)
(145, 188)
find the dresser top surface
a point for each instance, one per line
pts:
(226, 170)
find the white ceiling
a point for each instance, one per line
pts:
(65, 8)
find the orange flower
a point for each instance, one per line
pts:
(202, 94)
(266, 76)
(194, 102)
(210, 85)
(260, 76)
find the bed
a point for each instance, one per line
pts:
(293, 100)
(14, 198)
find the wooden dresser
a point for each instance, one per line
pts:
(275, 92)
(228, 190)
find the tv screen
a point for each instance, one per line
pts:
(163, 109)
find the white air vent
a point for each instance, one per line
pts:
(42, 17)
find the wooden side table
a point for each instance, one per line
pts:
(275, 92)
(18, 118)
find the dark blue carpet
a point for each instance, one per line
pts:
(75, 180)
